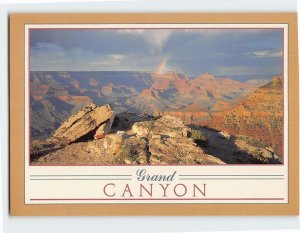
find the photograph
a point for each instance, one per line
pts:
(155, 96)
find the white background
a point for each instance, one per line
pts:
(122, 224)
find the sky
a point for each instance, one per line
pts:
(222, 52)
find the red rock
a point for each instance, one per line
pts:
(259, 115)
(99, 136)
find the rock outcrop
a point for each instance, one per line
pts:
(169, 142)
(90, 122)
(55, 95)
(133, 139)
(179, 150)
(133, 151)
(238, 150)
(166, 126)
(224, 135)
(113, 142)
(259, 115)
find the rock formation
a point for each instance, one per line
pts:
(55, 95)
(113, 142)
(166, 126)
(96, 136)
(259, 116)
(224, 135)
(91, 121)
(179, 150)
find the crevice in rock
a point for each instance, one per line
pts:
(147, 150)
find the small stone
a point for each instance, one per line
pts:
(269, 149)
(127, 161)
(224, 135)
(113, 143)
(266, 154)
(122, 134)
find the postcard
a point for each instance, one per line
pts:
(154, 114)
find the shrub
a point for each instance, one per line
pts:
(36, 148)
(197, 134)
(128, 152)
(199, 137)
(40, 148)
(251, 140)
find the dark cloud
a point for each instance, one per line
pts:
(193, 51)
(100, 40)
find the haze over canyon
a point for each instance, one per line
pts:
(252, 110)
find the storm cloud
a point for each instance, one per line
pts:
(223, 52)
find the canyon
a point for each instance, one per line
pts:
(56, 95)
(251, 112)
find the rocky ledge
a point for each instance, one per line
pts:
(96, 135)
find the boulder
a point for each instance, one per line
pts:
(143, 129)
(269, 154)
(266, 154)
(269, 149)
(178, 151)
(156, 136)
(171, 126)
(166, 126)
(112, 143)
(224, 135)
(133, 151)
(104, 128)
(122, 134)
(91, 121)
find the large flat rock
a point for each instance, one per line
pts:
(86, 123)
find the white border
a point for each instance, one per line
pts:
(280, 169)
(160, 26)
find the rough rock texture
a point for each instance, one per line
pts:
(259, 115)
(104, 128)
(39, 148)
(133, 151)
(258, 154)
(143, 129)
(88, 122)
(143, 140)
(237, 150)
(81, 153)
(179, 151)
(113, 142)
(169, 142)
(166, 126)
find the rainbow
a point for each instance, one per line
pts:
(161, 66)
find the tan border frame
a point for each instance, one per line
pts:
(17, 30)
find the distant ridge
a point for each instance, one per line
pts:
(57, 94)
(259, 115)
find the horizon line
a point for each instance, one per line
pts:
(222, 76)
